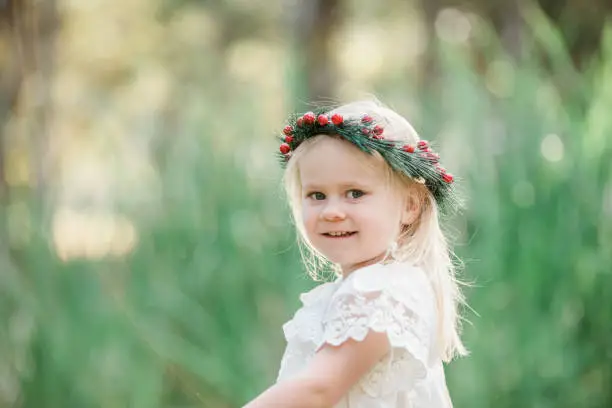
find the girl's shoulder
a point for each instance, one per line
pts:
(402, 281)
(319, 293)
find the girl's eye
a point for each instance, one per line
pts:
(355, 194)
(317, 196)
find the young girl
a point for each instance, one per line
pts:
(365, 194)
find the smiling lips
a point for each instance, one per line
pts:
(339, 234)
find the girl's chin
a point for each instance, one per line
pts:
(350, 261)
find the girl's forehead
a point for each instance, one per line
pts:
(336, 161)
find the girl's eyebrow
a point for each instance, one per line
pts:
(354, 184)
(311, 187)
(343, 185)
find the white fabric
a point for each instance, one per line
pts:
(394, 298)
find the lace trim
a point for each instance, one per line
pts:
(352, 316)
(334, 312)
(306, 324)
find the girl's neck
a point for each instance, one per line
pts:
(349, 269)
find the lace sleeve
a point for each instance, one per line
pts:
(390, 301)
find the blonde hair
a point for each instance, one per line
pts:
(423, 242)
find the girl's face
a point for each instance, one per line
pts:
(351, 213)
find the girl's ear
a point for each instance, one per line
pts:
(412, 207)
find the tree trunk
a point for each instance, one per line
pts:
(430, 70)
(313, 23)
(44, 54)
(29, 28)
(12, 74)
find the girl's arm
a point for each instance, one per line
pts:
(329, 375)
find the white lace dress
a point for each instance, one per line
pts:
(394, 298)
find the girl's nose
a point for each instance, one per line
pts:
(332, 211)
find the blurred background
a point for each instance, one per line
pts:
(146, 257)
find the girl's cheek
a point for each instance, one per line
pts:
(307, 212)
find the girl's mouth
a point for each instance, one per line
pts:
(339, 234)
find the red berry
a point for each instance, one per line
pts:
(423, 145)
(309, 118)
(378, 130)
(337, 119)
(447, 177)
(365, 131)
(366, 119)
(323, 120)
(288, 139)
(285, 148)
(288, 130)
(408, 148)
(300, 122)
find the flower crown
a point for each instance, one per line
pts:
(418, 162)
